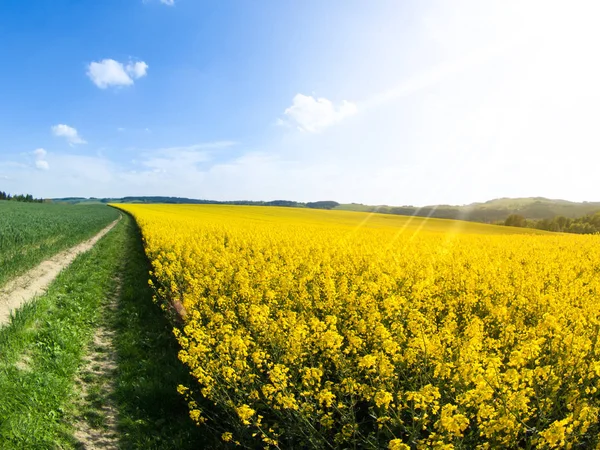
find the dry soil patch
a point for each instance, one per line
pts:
(100, 430)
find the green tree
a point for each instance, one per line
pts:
(515, 220)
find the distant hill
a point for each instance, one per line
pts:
(534, 208)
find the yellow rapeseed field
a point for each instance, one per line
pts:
(333, 329)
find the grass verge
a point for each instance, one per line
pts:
(152, 415)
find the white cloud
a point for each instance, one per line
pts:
(137, 69)
(109, 72)
(42, 165)
(69, 133)
(314, 114)
(40, 153)
(40, 159)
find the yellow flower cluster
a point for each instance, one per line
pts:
(333, 329)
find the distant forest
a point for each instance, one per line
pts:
(27, 198)
(588, 224)
(326, 204)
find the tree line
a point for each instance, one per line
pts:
(325, 204)
(588, 224)
(27, 198)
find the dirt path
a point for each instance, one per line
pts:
(96, 426)
(35, 282)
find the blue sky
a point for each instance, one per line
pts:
(418, 102)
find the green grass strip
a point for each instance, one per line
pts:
(152, 415)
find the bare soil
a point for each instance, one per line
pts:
(35, 282)
(96, 428)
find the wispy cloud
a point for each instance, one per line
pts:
(109, 72)
(312, 114)
(200, 146)
(69, 133)
(182, 157)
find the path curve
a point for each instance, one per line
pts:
(22, 289)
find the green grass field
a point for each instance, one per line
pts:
(31, 232)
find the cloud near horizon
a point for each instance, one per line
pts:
(312, 114)
(40, 159)
(109, 72)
